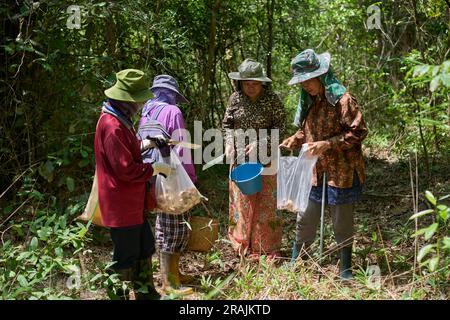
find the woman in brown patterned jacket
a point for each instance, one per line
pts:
(330, 121)
(254, 227)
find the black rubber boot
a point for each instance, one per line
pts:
(295, 251)
(122, 292)
(144, 281)
(345, 269)
(299, 250)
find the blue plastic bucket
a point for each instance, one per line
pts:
(248, 177)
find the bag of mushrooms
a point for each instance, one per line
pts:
(294, 180)
(175, 194)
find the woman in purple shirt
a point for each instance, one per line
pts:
(172, 233)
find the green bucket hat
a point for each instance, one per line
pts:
(131, 86)
(250, 70)
(307, 65)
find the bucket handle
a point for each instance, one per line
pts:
(234, 162)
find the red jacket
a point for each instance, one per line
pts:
(120, 172)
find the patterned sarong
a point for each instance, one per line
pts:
(254, 227)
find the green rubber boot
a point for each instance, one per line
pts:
(299, 250)
(345, 268)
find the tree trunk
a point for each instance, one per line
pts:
(422, 138)
(209, 70)
(270, 9)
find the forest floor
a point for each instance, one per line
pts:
(383, 239)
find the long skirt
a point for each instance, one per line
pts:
(254, 227)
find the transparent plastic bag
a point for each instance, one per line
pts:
(294, 180)
(175, 194)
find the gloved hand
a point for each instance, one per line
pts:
(159, 141)
(161, 168)
(147, 144)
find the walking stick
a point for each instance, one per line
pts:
(322, 214)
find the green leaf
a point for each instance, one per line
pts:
(84, 154)
(433, 263)
(62, 222)
(82, 232)
(419, 232)
(218, 288)
(43, 233)
(430, 197)
(421, 213)
(22, 281)
(424, 251)
(59, 252)
(34, 243)
(70, 184)
(37, 195)
(188, 225)
(46, 170)
(431, 230)
(374, 236)
(446, 243)
(96, 277)
(444, 214)
(10, 48)
(23, 255)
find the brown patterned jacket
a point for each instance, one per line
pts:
(266, 113)
(343, 126)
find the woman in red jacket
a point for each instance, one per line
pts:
(121, 182)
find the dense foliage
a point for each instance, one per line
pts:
(53, 77)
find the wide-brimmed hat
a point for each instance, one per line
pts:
(250, 70)
(308, 64)
(168, 82)
(131, 86)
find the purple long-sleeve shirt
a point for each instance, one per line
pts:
(172, 119)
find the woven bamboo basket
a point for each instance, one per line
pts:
(205, 232)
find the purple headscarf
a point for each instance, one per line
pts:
(162, 96)
(165, 95)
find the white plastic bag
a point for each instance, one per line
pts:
(175, 194)
(294, 180)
